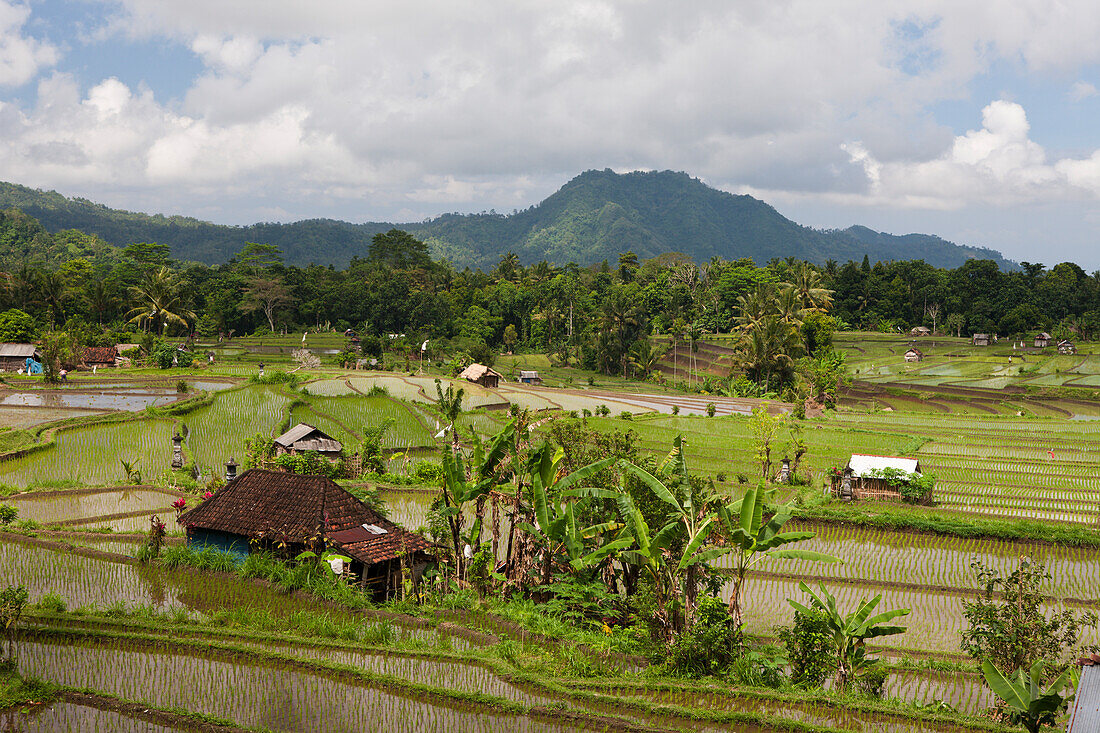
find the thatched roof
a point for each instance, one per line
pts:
(475, 372)
(300, 509)
(306, 437)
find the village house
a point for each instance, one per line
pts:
(529, 377)
(1042, 340)
(980, 339)
(303, 437)
(99, 356)
(863, 477)
(288, 513)
(914, 354)
(13, 357)
(921, 331)
(1066, 347)
(481, 374)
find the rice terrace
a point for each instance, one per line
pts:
(280, 535)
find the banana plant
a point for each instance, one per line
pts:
(850, 632)
(752, 539)
(1031, 705)
(696, 523)
(556, 506)
(462, 485)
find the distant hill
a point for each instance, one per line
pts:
(593, 217)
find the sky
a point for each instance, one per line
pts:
(975, 121)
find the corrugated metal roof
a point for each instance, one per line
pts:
(18, 350)
(528, 375)
(295, 434)
(863, 465)
(307, 437)
(1085, 717)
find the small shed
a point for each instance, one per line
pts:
(1042, 340)
(862, 477)
(1066, 346)
(100, 356)
(288, 513)
(920, 331)
(13, 357)
(914, 354)
(530, 377)
(303, 437)
(481, 374)
(980, 339)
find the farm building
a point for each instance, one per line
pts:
(914, 354)
(530, 377)
(13, 357)
(302, 438)
(1042, 340)
(267, 510)
(980, 339)
(1066, 347)
(481, 374)
(862, 478)
(921, 331)
(99, 356)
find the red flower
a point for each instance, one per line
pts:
(179, 503)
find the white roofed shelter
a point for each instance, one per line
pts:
(868, 477)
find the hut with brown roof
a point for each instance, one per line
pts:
(481, 374)
(99, 356)
(1066, 346)
(290, 513)
(920, 331)
(980, 339)
(1042, 340)
(302, 438)
(914, 354)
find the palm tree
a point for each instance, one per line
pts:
(811, 290)
(52, 290)
(102, 299)
(767, 352)
(756, 305)
(789, 307)
(160, 302)
(644, 357)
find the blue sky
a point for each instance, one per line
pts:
(970, 120)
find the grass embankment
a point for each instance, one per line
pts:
(24, 693)
(901, 518)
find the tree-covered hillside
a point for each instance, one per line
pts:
(594, 217)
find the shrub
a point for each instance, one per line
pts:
(428, 472)
(181, 387)
(675, 409)
(809, 646)
(711, 646)
(8, 514)
(51, 603)
(626, 415)
(711, 408)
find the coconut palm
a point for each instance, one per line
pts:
(812, 293)
(788, 306)
(644, 357)
(767, 352)
(756, 305)
(159, 300)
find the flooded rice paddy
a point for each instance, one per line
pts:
(70, 506)
(254, 692)
(67, 717)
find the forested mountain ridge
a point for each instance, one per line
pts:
(594, 217)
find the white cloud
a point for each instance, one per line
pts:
(998, 164)
(1082, 90)
(386, 107)
(21, 58)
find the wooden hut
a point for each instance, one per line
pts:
(288, 513)
(1042, 340)
(529, 377)
(862, 477)
(303, 437)
(1065, 346)
(13, 357)
(980, 339)
(99, 356)
(481, 374)
(920, 331)
(914, 354)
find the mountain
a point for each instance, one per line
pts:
(595, 216)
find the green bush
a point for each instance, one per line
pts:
(8, 514)
(711, 408)
(810, 650)
(51, 603)
(711, 646)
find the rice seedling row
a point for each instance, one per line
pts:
(251, 692)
